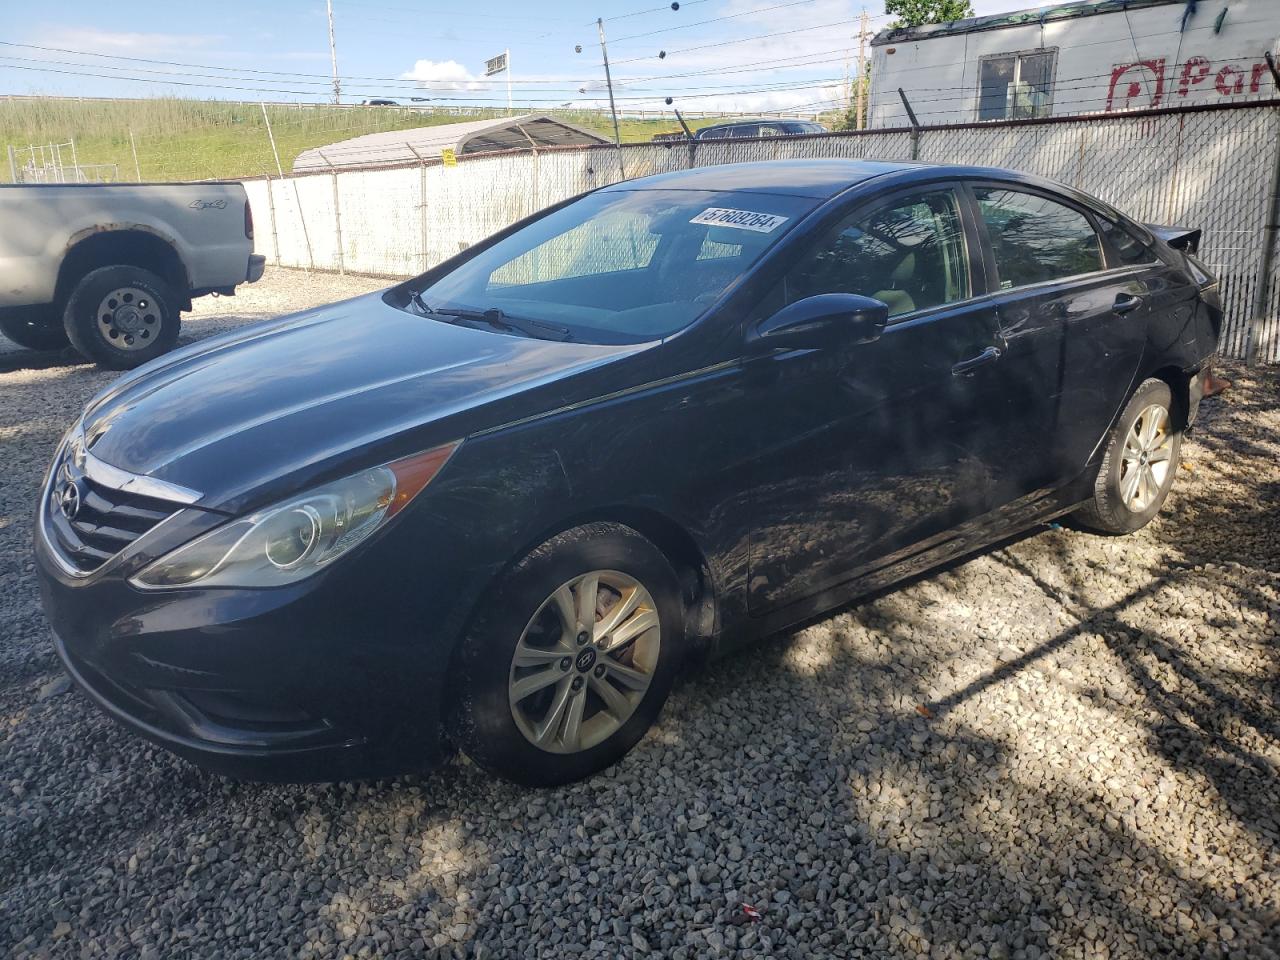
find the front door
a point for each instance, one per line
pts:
(867, 450)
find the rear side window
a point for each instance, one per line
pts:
(1126, 248)
(910, 253)
(1037, 239)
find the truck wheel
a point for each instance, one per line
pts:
(121, 317)
(36, 328)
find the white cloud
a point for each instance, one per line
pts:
(443, 75)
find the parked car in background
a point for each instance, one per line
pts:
(506, 503)
(747, 129)
(110, 267)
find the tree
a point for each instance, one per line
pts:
(914, 13)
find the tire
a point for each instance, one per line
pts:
(36, 328)
(497, 727)
(121, 317)
(1139, 465)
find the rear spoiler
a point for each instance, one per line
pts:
(1180, 238)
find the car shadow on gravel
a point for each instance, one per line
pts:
(934, 819)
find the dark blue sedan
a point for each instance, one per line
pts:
(504, 504)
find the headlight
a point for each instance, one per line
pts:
(292, 540)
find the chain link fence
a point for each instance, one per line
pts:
(1206, 168)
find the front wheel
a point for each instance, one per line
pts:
(1139, 464)
(571, 657)
(121, 317)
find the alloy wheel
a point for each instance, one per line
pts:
(1146, 458)
(129, 318)
(584, 662)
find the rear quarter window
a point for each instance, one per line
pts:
(1127, 249)
(1036, 239)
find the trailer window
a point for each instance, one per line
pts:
(1016, 86)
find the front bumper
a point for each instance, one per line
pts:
(173, 720)
(324, 680)
(257, 266)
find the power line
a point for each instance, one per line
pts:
(240, 71)
(317, 93)
(728, 16)
(655, 91)
(640, 13)
(763, 36)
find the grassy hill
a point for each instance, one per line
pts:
(179, 139)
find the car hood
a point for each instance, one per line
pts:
(347, 385)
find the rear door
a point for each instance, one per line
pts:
(1074, 327)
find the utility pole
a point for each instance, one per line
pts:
(608, 79)
(862, 69)
(510, 109)
(333, 55)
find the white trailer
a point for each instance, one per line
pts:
(1085, 57)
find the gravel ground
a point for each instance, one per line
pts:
(1067, 747)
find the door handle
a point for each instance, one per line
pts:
(966, 367)
(1126, 302)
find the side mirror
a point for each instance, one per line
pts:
(827, 320)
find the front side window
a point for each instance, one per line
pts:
(619, 266)
(1016, 86)
(1035, 239)
(910, 254)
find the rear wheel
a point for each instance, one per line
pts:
(571, 658)
(121, 317)
(37, 328)
(1139, 465)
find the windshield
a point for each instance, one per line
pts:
(619, 266)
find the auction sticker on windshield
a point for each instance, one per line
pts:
(741, 219)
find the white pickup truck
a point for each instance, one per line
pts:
(109, 267)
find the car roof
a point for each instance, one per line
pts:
(818, 179)
(825, 178)
(752, 121)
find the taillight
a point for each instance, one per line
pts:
(248, 220)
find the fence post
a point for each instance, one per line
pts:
(133, 146)
(422, 207)
(337, 215)
(272, 137)
(915, 125)
(1271, 223)
(271, 210)
(302, 221)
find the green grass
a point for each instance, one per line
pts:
(199, 139)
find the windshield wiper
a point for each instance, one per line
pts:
(494, 318)
(416, 299)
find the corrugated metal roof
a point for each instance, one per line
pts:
(1016, 18)
(426, 143)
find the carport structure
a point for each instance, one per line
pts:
(526, 132)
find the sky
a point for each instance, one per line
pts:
(758, 54)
